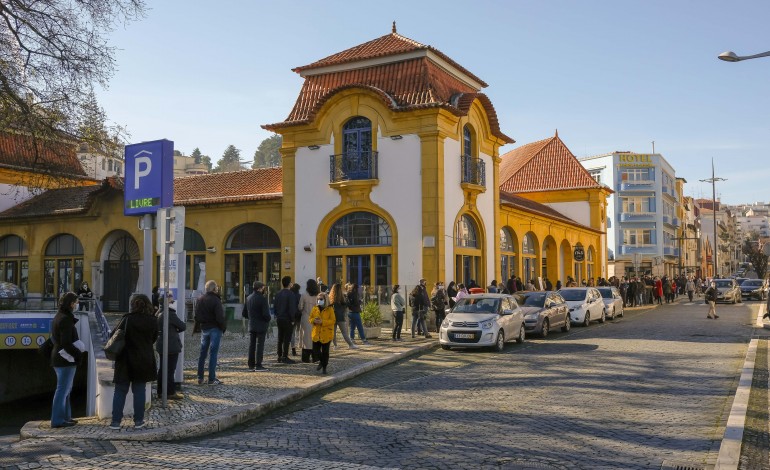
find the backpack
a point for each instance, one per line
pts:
(411, 300)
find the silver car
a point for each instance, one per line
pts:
(483, 320)
(728, 291)
(613, 301)
(543, 311)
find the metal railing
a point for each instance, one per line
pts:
(474, 170)
(353, 166)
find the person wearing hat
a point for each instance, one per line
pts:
(258, 313)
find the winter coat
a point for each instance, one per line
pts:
(353, 300)
(286, 305)
(210, 313)
(397, 303)
(325, 331)
(136, 363)
(258, 312)
(63, 334)
(175, 326)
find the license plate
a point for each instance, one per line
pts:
(464, 335)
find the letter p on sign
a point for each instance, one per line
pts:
(142, 166)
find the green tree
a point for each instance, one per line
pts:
(752, 248)
(268, 153)
(197, 155)
(178, 153)
(230, 161)
(206, 160)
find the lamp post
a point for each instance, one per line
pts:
(713, 180)
(731, 56)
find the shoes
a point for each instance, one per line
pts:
(286, 360)
(353, 346)
(324, 371)
(293, 351)
(215, 382)
(260, 369)
(412, 336)
(319, 367)
(139, 425)
(115, 426)
(73, 421)
(710, 318)
(716, 316)
(279, 360)
(200, 380)
(66, 424)
(399, 339)
(366, 342)
(428, 336)
(251, 369)
(175, 396)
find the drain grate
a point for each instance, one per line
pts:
(673, 465)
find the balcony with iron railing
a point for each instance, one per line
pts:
(631, 249)
(353, 166)
(473, 171)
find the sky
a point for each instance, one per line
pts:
(609, 75)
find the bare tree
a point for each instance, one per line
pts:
(52, 54)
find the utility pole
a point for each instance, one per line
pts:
(713, 180)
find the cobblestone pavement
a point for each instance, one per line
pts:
(756, 441)
(639, 392)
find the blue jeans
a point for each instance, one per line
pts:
(61, 411)
(209, 339)
(119, 401)
(355, 323)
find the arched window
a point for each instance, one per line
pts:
(196, 254)
(528, 246)
(252, 254)
(63, 266)
(359, 250)
(508, 245)
(590, 263)
(529, 258)
(360, 229)
(14, 266)
(465, 233)
(468, 141)
(358, 161)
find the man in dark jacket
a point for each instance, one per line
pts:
(258, 313)
(175, 326)
(286, 306)
(210, 313)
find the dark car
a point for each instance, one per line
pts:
(543, 310)
(754, 289)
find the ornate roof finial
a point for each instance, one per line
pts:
(394, 27)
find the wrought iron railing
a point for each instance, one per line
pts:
(473, 170)
(353, 166)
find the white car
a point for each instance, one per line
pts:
(585, 304)
(483, 320)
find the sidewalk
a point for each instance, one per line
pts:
(244, 395)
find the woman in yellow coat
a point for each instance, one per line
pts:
(322, 318)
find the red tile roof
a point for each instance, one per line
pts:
(521, 203)
(236, 186)
(62, 201)
(26, 153)
(402, 85)
(545, 165)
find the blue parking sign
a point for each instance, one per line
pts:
(149, 183)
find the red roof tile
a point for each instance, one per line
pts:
(518, 202)
(39, 155)
(62, 201)
(545, 165)
(236, 186)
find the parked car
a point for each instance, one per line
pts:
(585, 304)
(543, 310)
(754, 289)
(483, 320)
(613, 301)
(728, 290)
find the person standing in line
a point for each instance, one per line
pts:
(175, 326)
(492, 288)
(711, 298)
(135, 365)
(295, 338)
(210, 314)
(420, 306)
(354, 313)
(156, 298)
(64, 335)
(85, 295)
(451, 292)
(397, 306)
(690, 288)
(286, 307)
(323, 320)
(337, 300)
(438, 303)
(258, 313)
(306, 303)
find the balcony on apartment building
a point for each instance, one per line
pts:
(670, 251)
(642, 185)
(349, 166)
(637, 217)
(473, 170)
(644, 249)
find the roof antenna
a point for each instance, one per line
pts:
(394, 27)
(557, 133)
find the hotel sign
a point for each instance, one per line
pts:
(635, 160)
(149, 183)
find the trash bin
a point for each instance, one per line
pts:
(229, 313)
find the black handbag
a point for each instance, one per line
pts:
(117, 341)
(46, 349)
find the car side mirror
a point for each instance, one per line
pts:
(507, 312)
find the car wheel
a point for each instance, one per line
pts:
(613, 314)
(733, 300)
(567, 324)
(587, 319)
(545, 330)
(445, 347)
(522, 333)
(499, 342)
(603, 318)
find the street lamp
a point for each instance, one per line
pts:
(713, 180)
(731, 56)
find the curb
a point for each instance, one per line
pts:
(235, 415)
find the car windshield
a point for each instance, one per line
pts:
(752, 283)
(724, 283)
(740, 280)
(577, 294)
(470, 305)
(531, 299)
(606, 293)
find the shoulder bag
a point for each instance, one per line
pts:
(117, 341)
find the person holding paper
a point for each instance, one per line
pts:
(64, 335)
